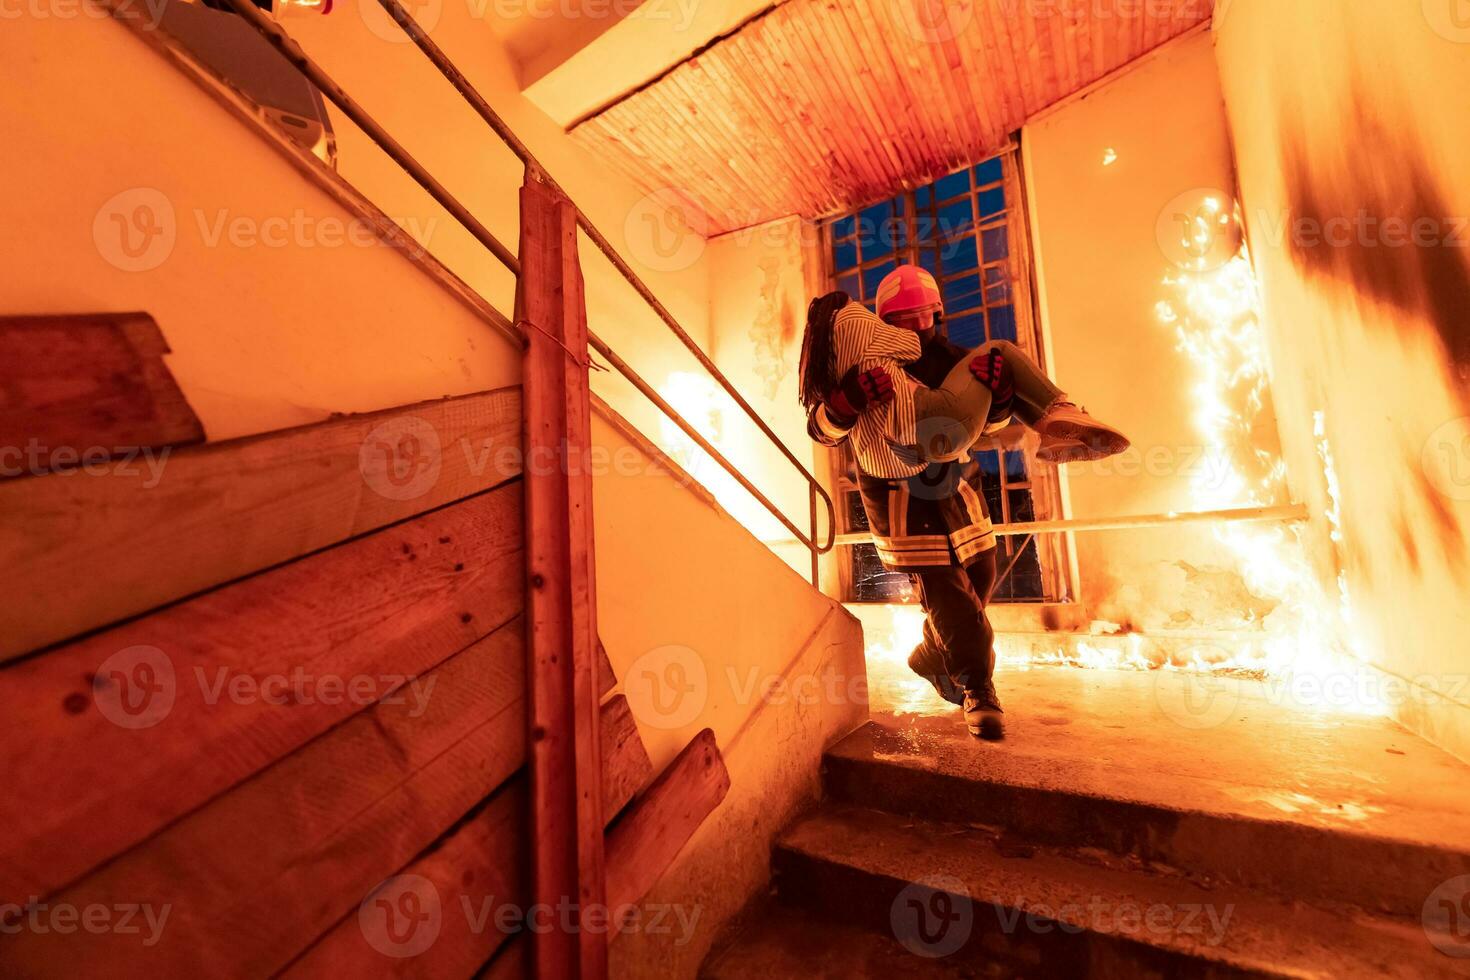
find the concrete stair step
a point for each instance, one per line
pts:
(982, 903)
(1302, 804)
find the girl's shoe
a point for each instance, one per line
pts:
(1070, 435)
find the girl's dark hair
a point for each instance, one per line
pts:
(818, 354)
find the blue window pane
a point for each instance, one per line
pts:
(996, 243)
(955, 183)
(843, 227)
(992, 201)
(850, 285)
(1015, 466)
(1003, 323)
(989, 465)
(844, 256)
(923, 196)
(959, 255)
(962, 294)
(989, 172)
(966, 331)
(956, 217)
(873, 276)
(871, 219)
(929, 259)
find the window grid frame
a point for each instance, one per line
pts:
(1010, 218)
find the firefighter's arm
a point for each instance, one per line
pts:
(830, 422)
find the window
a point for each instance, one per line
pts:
(967, 229)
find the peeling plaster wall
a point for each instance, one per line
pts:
(1102, 268)
(761, 279)
(1346, 117)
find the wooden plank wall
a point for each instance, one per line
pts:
(250, 690)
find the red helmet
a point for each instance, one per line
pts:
(907, 289)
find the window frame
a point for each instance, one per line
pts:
(1039, 481)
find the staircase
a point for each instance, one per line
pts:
(1104, 838)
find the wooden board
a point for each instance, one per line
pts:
(78, 552)
(252, 877)
(565, 767)
(645, 841)
(626, 768)
(84, 781)
(476, 872)
(255, 876)
(86, 385)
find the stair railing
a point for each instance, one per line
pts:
(566, 822)
(277, 36)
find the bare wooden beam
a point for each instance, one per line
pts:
(566, 770)
(645, 841)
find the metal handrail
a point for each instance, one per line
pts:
(286, 45)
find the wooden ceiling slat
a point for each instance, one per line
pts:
(799, 165)
(839, 84)
(752, 154)
(862, 146)
(944, 89)
(752, 53)
(822, 106)
(892, 91)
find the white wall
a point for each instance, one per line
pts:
(373, 60)
(1369, 325)
(98, 125)
(289, 330)
(706, 628)
(761, 279)
(1102, 273)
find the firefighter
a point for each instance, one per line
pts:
(935, 526)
